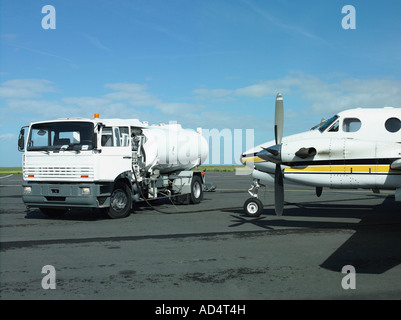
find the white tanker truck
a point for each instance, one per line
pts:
(108, 164)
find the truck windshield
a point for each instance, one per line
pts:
(54, 136)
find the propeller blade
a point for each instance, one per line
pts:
(279, 119)
(278, 191)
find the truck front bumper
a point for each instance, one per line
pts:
(45, 195)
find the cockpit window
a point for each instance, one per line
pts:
(334, 127)
(351, 124)
(393, 125)
(328, 123)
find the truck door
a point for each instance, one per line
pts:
(115, 157)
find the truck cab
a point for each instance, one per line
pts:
(103, 163)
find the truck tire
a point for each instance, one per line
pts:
(196, 194)
(253, 207)
(120, 201)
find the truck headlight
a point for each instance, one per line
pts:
(85, 191)
(27, 190)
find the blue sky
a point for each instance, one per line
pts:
(210, 63)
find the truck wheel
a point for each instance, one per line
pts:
(253, 207)
(196, 195)
(120, 201)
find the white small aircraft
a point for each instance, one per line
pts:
(357, 148)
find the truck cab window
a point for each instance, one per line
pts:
(55, 136)
(64, 138)
(115, 137)
(107, 137)
(124, 136)
(39, 137)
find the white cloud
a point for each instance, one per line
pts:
(43, 108)
(88, 103)
(135, 94)
(8, 137)
(8, 36)
(138, 96)
(317, 95)
(350, 93)
(216, 93)
(25, 88)
(285, 26)
(178, 108)
(258, 90)
(96, 42)
(129, 100)
(322, 95)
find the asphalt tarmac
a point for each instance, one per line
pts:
(207, 251)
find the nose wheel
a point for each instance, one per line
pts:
(253, 207)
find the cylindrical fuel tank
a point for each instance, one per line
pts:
(170, 148)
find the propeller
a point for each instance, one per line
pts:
(273, 154)
(278, 175)
(279, 119)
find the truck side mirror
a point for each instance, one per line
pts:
(21, 140)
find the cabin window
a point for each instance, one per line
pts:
(351, 124)
(393, 125)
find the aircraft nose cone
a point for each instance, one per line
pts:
(247, 158)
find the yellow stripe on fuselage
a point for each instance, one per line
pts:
(339, 169)
(251, 159)
(343, 169)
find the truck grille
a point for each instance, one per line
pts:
(55, 173)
